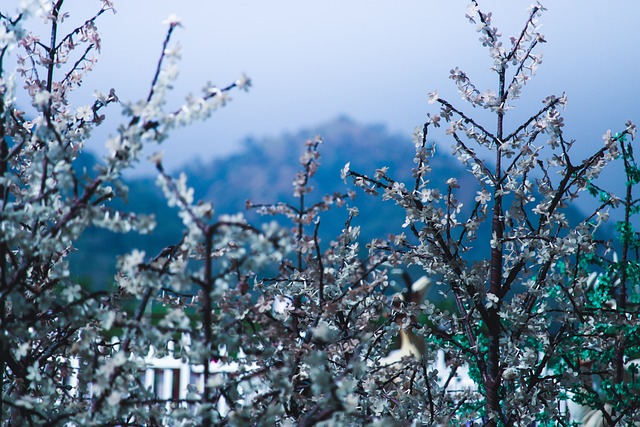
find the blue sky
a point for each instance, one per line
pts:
(372, 60)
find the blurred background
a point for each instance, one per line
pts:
(358, 73)
(373, 61)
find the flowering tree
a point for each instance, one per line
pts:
(609, 353)
(524, 318)
(309, 326)
(47, 318)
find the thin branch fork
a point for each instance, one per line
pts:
(475, 124)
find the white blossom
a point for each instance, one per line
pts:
(483, 197)
(433, 97)
(243, 83)
(172, 20)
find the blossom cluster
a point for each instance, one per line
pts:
(333, 332)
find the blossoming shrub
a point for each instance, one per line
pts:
(608, 353)
(525, 320)
(310, 325)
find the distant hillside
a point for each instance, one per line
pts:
(262, 172)
(264, 169)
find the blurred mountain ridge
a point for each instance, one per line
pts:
(263, 171)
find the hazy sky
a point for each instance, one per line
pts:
(372, 60)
